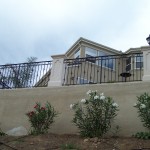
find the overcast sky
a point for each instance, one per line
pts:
(42, 28)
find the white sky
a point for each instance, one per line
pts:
(42, 28)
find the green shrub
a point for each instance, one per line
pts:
(2, 133)
(69, 146)
(142, 135)
(143, 107)
(93, 116)
(41, 118)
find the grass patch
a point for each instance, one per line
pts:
(69, 146)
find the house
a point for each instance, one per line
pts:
(85, 62)
(90, 62)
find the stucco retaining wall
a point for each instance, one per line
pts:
(15, 103)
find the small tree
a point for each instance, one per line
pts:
(18, 75)
(41, 118)
(93, 116)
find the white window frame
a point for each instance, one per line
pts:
(135, 61)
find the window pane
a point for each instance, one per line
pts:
(107, 62)
(128, 61)
(139, 59)
(139, 65)
(128, 64)
(90, 58)
(90, 51)
(77, 54)
(128, 67)
(110, 63)
(101, 53)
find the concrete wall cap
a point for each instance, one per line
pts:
(58, 56)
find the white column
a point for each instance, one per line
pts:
(146, 63)
(57, 71)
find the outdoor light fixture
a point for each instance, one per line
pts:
(148, 40)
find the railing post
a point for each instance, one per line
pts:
(57, 72)
(146, 63)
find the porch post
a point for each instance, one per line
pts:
(57, 71)
(146, 63)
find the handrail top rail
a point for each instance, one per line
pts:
(104, 56)
(36, 62)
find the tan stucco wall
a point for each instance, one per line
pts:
(15, 103)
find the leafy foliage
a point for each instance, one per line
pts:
(143, 107)
(17, 75)
(142, 135)
(116, 131)
(2, 133)
(41, 118)
(93, 116)
(69, 146)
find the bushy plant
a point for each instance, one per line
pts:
(143, 107)
(69, 146)
(93, 116)
(115, 131)
(142, 135)
(41, 118)
(2, 133)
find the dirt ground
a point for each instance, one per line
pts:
(75, 142)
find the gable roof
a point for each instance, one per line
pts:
(86, 41)
(136, 50)
(133, 50)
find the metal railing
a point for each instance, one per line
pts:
(103, 69)
(23, 75)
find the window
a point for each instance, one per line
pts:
(90, 54)
(90, 58)
(90, 51)
(77, 54)
(128, 64)
(139, 61)
(106, 60)
(76, 61)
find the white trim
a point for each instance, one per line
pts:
(84, 41)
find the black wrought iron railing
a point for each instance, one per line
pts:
(25, 75)
(104, 69)
(88, 70)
